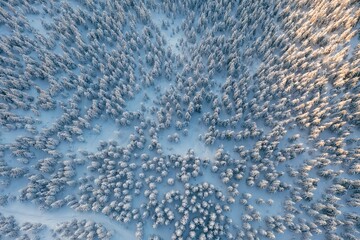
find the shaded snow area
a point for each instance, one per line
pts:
(149, 119)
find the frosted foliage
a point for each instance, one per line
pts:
(149, 119)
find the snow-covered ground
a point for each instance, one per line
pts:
(27, 212)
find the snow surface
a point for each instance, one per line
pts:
(26, 212)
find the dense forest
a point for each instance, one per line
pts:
(179, 119)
